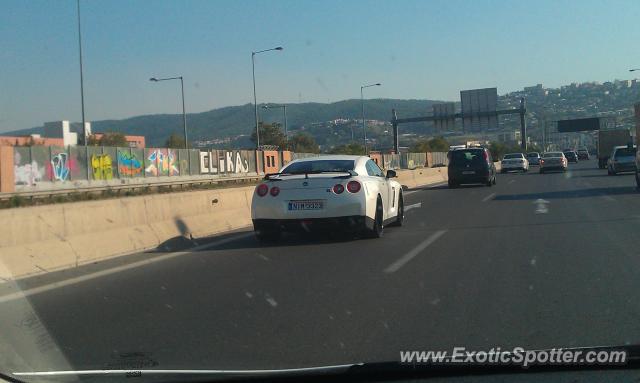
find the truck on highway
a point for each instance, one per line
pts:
(609, 139)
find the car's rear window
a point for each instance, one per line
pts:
(466, 157)
(626, 152)
(515, 155)
(319, 166)
(533, 155)
(552, 155)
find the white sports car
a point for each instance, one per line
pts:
(329, 192)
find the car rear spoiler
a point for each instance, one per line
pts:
(349, 174)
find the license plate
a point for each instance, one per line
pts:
(306, 205)
(469, 172)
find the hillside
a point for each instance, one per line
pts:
(236, 120)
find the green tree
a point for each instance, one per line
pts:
(436, 144)
(270, 134)
(175, 141)
(108, 139)
(92, 140)
(303, 143)
(352, 148)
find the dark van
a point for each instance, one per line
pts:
(471, 166)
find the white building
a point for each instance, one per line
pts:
(69, 132)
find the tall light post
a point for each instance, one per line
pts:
(184, 113)
(84, 131)
(255, 101)
(284, 109)
(364, 127)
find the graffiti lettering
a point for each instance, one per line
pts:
(60, 167)
(229, 161)
(161, 163)
(128, 164)
(101, 167)
(26, 174)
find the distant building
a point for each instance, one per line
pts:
(536, 90)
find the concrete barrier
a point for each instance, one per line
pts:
(45, 238)
(40, 239)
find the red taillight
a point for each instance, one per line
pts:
(274, 191)
(353, 186)
(338, 188)
(541, 162)
(262, 190)
(485, 155)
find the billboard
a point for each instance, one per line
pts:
(447, 112)
(478, 109)
(578, 125)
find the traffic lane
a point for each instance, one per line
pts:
(216, 297)
(538, 280)
(221, 313)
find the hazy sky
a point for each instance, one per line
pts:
(416, 49)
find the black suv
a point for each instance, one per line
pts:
(571, 156)
(471, 165)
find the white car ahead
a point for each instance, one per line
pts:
(514, 161)
(338, 193)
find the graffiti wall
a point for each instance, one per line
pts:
(101, 167)
(161, 162)
(130, 163)
(26, 171)
(227, 162)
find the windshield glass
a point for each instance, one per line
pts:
(224, 186)
(512, 156)
(466, 156)
(626, 152)
(319, 166)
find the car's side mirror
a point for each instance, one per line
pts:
(391, 174)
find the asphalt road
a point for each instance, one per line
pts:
(536, 261)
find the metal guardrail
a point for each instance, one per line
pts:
(102, 188)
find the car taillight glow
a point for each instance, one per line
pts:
(274, 191)
(262, 190)
(338, 188)
(353, 186)
(485, 155)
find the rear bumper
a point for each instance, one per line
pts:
(469, 179)
(552, 167)
(620, 168)
(352, 223)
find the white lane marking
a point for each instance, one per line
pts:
(541, 206)
(428, 187)
(415, 205)
(272, 302)
(490, 196)
(395, 266)
(608, 198)
(117, 269)
(511, 181)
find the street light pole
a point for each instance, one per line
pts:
(84, 131)
(364, 127)
(184, 113)
(255, 98)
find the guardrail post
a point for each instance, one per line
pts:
(86, 154)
